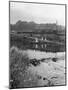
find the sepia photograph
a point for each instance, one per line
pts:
(37, 38)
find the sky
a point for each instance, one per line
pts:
(39, 13)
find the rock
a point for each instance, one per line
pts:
(34, 62)
(54, 59)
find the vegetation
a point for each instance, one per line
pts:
(20, 76)
(52, 32)
(23, 26)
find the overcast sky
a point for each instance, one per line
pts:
(39, 13)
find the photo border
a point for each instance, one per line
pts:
(65, 41)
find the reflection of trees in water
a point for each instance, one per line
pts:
(26, 43)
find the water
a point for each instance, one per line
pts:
(53, 72)
(40, 54)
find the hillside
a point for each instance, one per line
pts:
(23, 26)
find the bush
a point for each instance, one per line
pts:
(20, 76)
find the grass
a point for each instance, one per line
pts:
(22, 68)
(20, 76)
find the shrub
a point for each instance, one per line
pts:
(20, 76)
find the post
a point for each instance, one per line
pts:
(36, 46)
